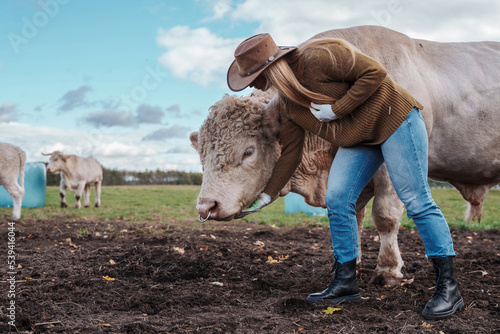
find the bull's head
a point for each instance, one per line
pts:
(238, 148)
(56, 163)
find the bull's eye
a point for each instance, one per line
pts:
(248, 152)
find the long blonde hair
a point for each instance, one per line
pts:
(282, 73)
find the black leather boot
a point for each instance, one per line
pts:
(342, 287)
(446, 299)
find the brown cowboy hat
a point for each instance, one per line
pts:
(252, 57)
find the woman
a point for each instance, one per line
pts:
(331, 89)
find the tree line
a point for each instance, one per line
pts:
(113, 177)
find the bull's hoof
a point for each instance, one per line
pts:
(385, 279)
(86, 206)
(97, 205)
(64, 205)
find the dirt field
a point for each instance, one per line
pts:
(117, 277)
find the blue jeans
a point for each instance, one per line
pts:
(405, 154)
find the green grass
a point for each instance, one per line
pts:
(178, 204)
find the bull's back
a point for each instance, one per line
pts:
(12, 159)
(86, 169)
(459, 87)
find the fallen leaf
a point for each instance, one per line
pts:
(282, 258)
(330, 310)
(105, 325)
(217, 283)
(376, 238)
(426, 325)
(107, 278)
(271, 260)
(204, 248)
(213, 236)
(30, 236)
(179, 250)
(407, 281)
(28, 278)
(19, 266)
(112, 261)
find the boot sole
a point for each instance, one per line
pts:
(337, 300)
(441, 315)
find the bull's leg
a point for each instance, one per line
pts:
(360, 217)
(17, 193)
(387, 211)
(62, 193)
(78, 195)
(98, 194)
(86, 202)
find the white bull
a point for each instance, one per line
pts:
(12, 164)
(77, 173)
(459, 86)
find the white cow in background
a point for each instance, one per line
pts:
(77, 173)
(12, 163)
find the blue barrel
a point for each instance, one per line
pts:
(35, 187)
(295, 203)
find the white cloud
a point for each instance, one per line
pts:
(220, 8)
(119, 149)
(123, 151)
(8, 112)
(197, 55)
(201, 56)
(293, 21)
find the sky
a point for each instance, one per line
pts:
(128, 81)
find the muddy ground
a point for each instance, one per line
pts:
(122, 277)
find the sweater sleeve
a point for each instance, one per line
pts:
(292, 141)
(365, 77)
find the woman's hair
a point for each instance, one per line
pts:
(281, 74)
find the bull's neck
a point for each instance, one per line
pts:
(67, 175)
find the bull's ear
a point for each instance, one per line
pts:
(194, 139)
(63, 157)
(271, 119)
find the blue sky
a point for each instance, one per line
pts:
(127, 81)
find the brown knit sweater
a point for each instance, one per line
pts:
(369, 107)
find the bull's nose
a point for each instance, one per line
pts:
(206, 205)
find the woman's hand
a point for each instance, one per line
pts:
(261, 201)
(323, 112)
